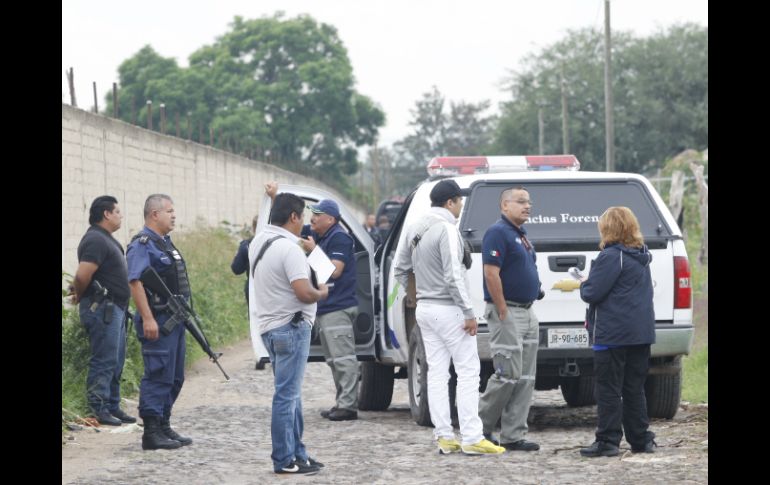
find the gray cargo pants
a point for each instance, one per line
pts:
(513, 344)
(339, 348)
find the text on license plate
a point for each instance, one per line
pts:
(567, 337)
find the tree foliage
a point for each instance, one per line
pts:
(283, 87)
(463, 129)
(660, 96)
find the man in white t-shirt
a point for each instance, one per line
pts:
(285, 302)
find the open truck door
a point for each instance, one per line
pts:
(364, 326)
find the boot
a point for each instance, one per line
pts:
(166, 427)
(154, 438)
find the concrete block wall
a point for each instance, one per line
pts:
(102, 155)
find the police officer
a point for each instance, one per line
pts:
(337, 313)
(511, 284)
(162, 352)
(101, 287)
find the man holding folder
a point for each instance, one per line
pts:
(337, 313)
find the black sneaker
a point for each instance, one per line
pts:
(600, 448)
(521, 445)
(299, 468)
(312, 462)
(325, 414)
(343, 415)
(648, 447)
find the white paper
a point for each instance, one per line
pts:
(321, 264)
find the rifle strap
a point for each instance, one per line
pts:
(262, 252)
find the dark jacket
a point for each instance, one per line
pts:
(619, 293)
(241, 263)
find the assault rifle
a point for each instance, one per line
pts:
(180, 312)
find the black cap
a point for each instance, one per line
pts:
(445, 190)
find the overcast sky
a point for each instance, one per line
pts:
(398, 48)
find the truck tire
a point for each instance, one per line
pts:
(663, 392)
(578, 391)
(375, 390)
(418, 379)
(484, 374)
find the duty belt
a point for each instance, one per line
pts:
(517, 304)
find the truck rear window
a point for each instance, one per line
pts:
(565, 212)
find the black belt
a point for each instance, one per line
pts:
(517, 304)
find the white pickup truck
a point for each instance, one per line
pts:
(563, 229)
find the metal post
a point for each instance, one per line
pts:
(71, 82)
(96, 101)
(114, 100)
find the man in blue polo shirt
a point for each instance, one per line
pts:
(337, 313)
(511, 284)
(163, 348)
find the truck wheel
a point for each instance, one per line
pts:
(578, 391)
(376, 388)
(663, 392)
(418, 379)
(484, 374)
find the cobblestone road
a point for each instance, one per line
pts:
(230, 425)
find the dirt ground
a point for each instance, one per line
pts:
(229, 422)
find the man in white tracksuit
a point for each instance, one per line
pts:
(434, 252)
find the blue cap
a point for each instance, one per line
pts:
(326, 206)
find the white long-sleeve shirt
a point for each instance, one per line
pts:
(440, 275)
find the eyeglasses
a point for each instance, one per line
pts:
(522, 201)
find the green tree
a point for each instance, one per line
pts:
(463, 129)
(660, 91)
(284, 87)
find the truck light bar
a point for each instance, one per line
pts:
(474, 165)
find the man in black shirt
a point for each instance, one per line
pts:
(101, 288)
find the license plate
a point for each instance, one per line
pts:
(567, 337)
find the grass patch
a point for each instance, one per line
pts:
(217, 299)
(695, 388)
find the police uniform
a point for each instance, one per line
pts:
(336, 316)
(163, 358)
(514, 341)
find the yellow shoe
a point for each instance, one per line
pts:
(447, 446)
(483, 447)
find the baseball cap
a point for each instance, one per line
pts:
(445, 190)
(326, 206)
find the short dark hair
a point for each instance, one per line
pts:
(508, 192)
(284, 205)
(98, 206)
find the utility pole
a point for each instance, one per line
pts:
(608, 123)
(375, 174)
(540, 135)
(564, 114)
